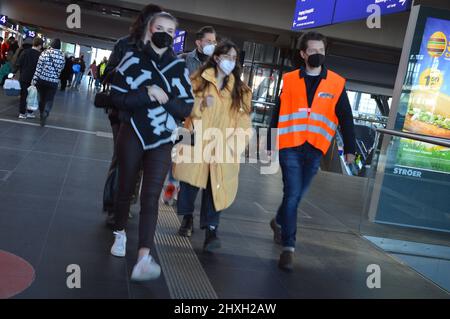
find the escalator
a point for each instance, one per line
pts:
(366, 141)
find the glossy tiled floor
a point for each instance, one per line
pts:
(51, 183)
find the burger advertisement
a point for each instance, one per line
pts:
(428, 110)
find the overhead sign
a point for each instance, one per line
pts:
(313, 13)
(347, 10)
(3, 20)
(178, 41)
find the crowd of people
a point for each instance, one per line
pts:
(147, 80)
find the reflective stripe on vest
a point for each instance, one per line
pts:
(293, 116)
(304, 128)
(299, 123)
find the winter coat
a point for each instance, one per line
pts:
(224, 174)
(153, 123)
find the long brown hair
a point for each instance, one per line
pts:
(239, 89)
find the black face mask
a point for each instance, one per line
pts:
(162, 40)
(316, 60)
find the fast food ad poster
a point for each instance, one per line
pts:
(429, 101)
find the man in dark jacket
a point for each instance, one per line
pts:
(66, 72)
(26, 64)
(312, 105)
(205, 44)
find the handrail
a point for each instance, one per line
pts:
(370, 120)
(261, 102)
(416, 137)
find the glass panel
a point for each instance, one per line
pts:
(264, 82)
(405, 213)
(407, 210)
(367, 105)
(249, 49)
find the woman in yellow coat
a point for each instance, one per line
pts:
(221, 124)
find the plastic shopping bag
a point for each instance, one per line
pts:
(32, 99)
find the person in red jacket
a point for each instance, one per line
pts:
(1, 42)
(5, 47)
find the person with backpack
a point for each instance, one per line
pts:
(121, 47)
(81, 69)
(46, 77)
(156, 87)
(76, 69)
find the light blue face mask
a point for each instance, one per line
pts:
(227, 66)
(209, 49)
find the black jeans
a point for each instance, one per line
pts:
(23, 96)
(185, 204)
(156, 163)
(114, 120)
(47, 91)
(64, 83)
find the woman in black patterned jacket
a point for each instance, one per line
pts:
(152, 90)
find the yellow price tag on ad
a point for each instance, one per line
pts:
(431, 79)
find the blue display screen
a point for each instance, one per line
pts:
(3, 19)
(347, 10)
(178, 41)
(313, 13)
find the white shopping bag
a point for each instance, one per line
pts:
(32, 99)
(12, 87)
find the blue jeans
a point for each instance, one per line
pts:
(185, 204)
(298, 165)
(78, 78)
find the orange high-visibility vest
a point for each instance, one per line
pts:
(298, 123)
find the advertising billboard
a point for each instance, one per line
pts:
(414, 177)
(426, 93)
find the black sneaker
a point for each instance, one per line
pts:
(187, 226)
(212, 242)
(286, 261)
(276, 231)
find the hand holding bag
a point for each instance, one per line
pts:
(32, 99)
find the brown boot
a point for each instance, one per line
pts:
(286, 261)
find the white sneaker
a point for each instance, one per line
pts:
(31, 116)
(22, 116)
(119, 247)
(146, 269)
